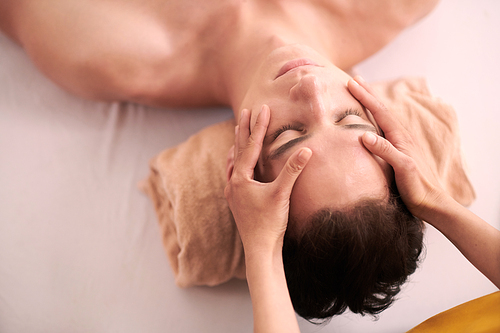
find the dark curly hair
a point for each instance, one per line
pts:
(356, 258)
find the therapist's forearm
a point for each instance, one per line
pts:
(478, 241)
(272, 307)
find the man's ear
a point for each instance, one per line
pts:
(230, 163)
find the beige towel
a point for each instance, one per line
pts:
(187, 182)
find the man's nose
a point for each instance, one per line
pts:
(310, 90)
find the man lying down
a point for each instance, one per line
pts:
(324, 215)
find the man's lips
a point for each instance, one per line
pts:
(294, 64)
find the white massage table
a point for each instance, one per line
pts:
(80, 249)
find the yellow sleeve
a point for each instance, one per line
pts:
(481, 315)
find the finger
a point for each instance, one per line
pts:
(236, 141)
(249, 151)
(382, 148)
(259, 130)
(359, 80)
(243, 130)
(379, 111)
(292, 169)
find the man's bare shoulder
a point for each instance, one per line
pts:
(401, 13)
(112, 50)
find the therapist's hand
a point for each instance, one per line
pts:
(260, 210)
(416, 183)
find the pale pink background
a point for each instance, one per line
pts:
(79, 245)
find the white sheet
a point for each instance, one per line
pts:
(79, 245)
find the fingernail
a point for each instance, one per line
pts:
(370, 138)
(304, 155)
(236, 130)
(354, 82)
(244, 113)
(264, 109)
(360, 79)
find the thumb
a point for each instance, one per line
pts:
(292, 169)
(381, 147)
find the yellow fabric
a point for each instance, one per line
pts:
(481, 315)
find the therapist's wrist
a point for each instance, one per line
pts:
(264, 251)
(263, 263)
(441, 205)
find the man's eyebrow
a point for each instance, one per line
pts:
(283, 148)
(365, 127)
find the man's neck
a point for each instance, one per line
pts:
(246, 50)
